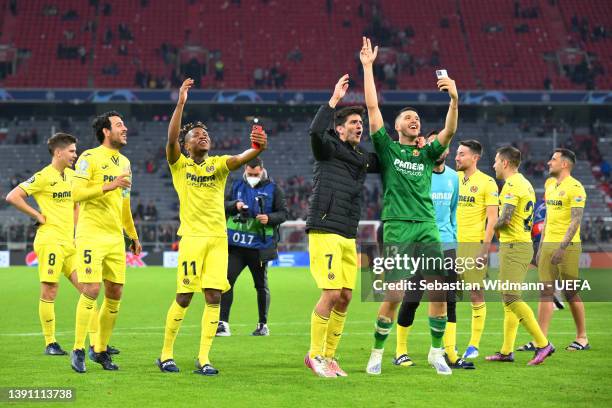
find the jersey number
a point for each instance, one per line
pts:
(329, 262)
(51, 259)
(242, 238)
(193, 267)
(87, 256)
(528, 222)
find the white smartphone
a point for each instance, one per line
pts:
(441, 73)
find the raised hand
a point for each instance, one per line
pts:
(260, 138)
(183, 91)
(340, 90)
(367, 55)
(448, 85)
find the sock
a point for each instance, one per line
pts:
(402, 340)
(210, 321)
(511, 323)
(108, 317)
(436, 327)
(318, 333)
(85, 308)
(526, 317)
(46, 313)
(382, 329)
(94, 325)
(450, 341)
(335, 327)
(479, 315)
(174, 318)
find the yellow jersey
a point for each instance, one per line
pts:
(53, 194)
(476, 193)
(560, 199)
(517, 191)
(200, 189)
(101, 218)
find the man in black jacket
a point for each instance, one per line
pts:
(254, 207)
(340, 171)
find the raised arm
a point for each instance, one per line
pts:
(173, 148)
(235, 162)
(450, 125)
(322, 145)
(367, 57)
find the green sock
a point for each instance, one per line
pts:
(437, 326)
(383, 328)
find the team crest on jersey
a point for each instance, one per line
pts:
(331, 276)
(88, 270)
(210, 169)
(416, 153)
(185, 281)
(474, 189)
(561, 193)
(50, 271)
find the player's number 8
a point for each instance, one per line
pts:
(51, 259)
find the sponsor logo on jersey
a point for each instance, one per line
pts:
(467, 199)
(63, 194)
(554, 202)
(409, 165)
(442, 196)
(108, 178)
(200, 179)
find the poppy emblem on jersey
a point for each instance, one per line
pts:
(50, 271)
(474, 189)
(561, 193)
(210, 169)
(416, 153)
(331, 276)
(185, 281)
(88, 270)
(115, 160)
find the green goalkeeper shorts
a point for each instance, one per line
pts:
(414, 239)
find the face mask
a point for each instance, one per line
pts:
(253, 181)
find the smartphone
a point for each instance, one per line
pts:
(441, 73)
(257, 127)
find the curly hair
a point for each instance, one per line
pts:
(188, 128)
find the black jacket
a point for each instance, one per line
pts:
(339, 173)
(275, 218)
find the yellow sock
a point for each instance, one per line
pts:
(108, 317)
(46, 313)
(401, 345)
(174, 318)
(93, 325)
(318, 332)
(511, 323)
(210, 322)
(526, 317)
(335, 328)
(479, 315)
(83, 315)
(450, 341)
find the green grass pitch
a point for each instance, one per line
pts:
(270, 371)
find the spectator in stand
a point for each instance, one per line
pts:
(295, 55)
(258, 77)
(150, 213)
(139, 212)
(219, 70)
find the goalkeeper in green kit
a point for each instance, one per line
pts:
(408, 213)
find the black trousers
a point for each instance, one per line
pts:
(239, 258)
(411, 301)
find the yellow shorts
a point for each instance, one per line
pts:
(54, 260)
(333, 260)
(566, 270)
(465, 264)
(514, 260)
(202, 264)
(97, 261)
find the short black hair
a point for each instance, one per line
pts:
(343, 114)
(256, 162)
(103, 122)
(510, 153)
(60, 141)
(473, 145)
(567, 154)
(188, 128)
(406, 109)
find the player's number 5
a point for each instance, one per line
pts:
(87, 256)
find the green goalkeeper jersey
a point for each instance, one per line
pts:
(406, 175)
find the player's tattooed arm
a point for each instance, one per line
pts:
(505, 217)
(575, 220)
(173, 148)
